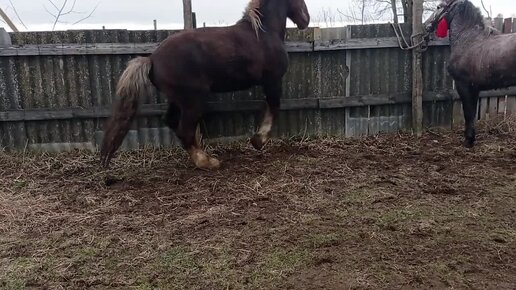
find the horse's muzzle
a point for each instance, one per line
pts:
(302, 26)
(303, 23)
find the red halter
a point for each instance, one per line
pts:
(442, 28)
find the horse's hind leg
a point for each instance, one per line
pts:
(273, 95)
(469, 97)
(172, 120)
(173, 116)
(188, 132)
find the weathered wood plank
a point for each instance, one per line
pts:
(502, 104)
(483, 108)
(457, 114)
(146, 110)
(365, 43)
(299, 46)
(498, 23)
(79, 49)
(147, 48)
(498, 93)
(246, 105)
(511, 105)
(109, 49)
(300, 104)
(5, 39)
(507, 25)
(493, 107)
(358, 101)
(383, 99)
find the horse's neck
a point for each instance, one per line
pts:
(277, 29)
(467, 26)
(462, 35)
(275, 19)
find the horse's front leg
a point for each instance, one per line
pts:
(469, 97)
(273, 95)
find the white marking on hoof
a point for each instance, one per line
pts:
(202, 160)
(265, 128)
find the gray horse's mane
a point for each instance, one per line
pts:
(472, 17)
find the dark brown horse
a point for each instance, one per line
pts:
(190, 65)
(481, 57)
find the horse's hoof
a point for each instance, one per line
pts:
(257, 142)
(209, 163)
(203, 161)
(214, 163)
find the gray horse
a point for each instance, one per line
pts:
(481, 57)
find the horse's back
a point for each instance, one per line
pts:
(490, 63)
(221, 58)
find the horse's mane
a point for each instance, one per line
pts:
(472, 16)
(253, 14)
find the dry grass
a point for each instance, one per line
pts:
(502, 125)
(378, 212)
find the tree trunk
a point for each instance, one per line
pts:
(417, 69)
(394, 11)
(407, 10)
(363, 11)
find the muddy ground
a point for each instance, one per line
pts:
(380, 212)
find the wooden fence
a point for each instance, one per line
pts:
(56, 88)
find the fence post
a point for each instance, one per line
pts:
(498, 23)
(187, 14)
(417, 69)
(507, 25)
(5, 39)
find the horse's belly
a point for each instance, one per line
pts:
(235, 74)
(494, 78)
(486, 71)
(231, 85)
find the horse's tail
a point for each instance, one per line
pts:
(133, 85)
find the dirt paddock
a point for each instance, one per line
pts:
(380, 212)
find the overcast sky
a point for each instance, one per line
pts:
(139, 14)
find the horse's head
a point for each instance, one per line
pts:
(444, 11)
(298, 13)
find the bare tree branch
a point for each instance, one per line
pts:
(71, 9)
(65, 9)
(17, 15)
(89, 15)
(59, 14)
(48, 11)
(483, 6)
(53, 4)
